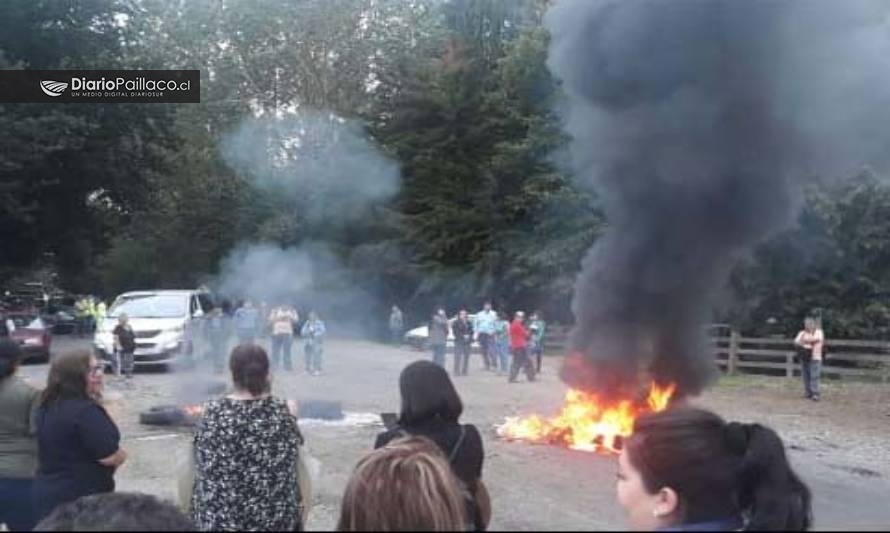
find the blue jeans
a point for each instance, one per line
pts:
(439, 354)
(16, 507)
(811, 371)
(281, 351)
(313, 357)
(502, 346)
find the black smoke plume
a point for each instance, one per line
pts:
(697, 122)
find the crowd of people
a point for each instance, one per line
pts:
(505, 346)
(683, 469)
(246, 324)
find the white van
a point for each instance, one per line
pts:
(166, 324)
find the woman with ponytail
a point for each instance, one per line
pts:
(246, 455)
(686, 469)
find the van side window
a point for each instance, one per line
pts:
(205, 303)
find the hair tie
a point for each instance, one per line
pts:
(736, 436)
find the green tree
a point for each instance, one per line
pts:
(833, 262)
(486, 212)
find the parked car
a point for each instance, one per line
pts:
(418, 337)
(165, 322)
(30, 332)
(62, 322)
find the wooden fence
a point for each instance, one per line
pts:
(735, 354)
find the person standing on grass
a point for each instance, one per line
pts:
(438, 336)
(18, 448)
(78, 443)
(810, 341)
(484, 325)
(519, 336)
(463, 341)
(313, 333)
(124, 346)
(396, 325)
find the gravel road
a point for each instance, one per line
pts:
(839, 446)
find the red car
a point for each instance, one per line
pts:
(30, 332)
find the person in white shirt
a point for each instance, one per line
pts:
(810, 341)
(282, 319)
(484, 326)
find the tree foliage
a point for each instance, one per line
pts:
(833, 263)
(458, 93)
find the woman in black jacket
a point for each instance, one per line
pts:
(431, 408)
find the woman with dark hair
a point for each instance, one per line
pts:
(78, 443)
(18, 449)
(246, 447)
(431, 408)
(685, 469)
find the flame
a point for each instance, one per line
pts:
(660, 397)
(587, 422)
(193, 411)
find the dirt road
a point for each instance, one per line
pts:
(839, 446)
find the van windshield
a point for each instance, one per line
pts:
(151, 306)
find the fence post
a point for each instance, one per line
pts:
(733, 356)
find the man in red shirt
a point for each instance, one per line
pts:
(519, 336)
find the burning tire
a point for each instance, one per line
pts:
(164, 415)
(321, 410)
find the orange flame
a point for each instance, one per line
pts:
(193, 411)
(660, 397)
(586, 422)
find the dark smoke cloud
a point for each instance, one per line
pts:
(696, 122)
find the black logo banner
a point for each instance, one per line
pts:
(100, 86)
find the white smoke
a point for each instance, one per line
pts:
(324, 164)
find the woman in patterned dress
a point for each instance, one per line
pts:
(246, 449)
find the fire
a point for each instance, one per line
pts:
(660, 397)
(193, 411)
(587, 422)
